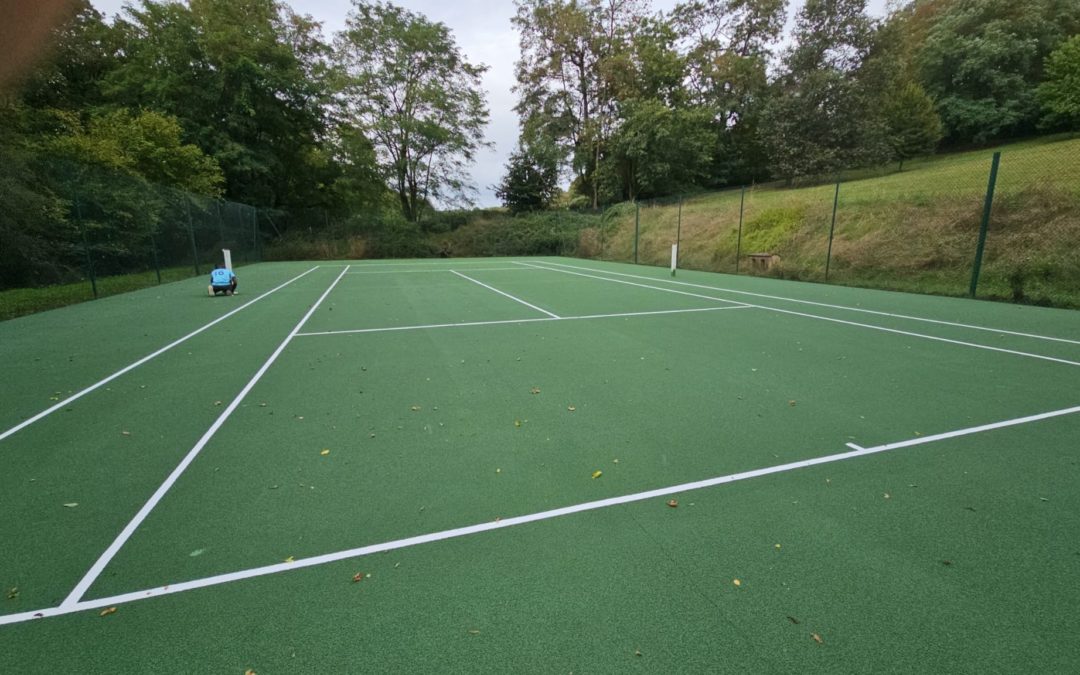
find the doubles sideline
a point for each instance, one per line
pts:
(48, 411)
(83, 605)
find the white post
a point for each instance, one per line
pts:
(228, 258)
(674, 257)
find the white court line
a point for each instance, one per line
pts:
(511, 522)
(854, 447)
(126, 369)
(822, 304)
(448, 262)
(631, 283)
(507, 295)
(840, 321)
(87, 580)
(448, 269)
(509, 321)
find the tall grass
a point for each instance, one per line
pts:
(913, 230)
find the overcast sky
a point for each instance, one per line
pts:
(483, 31)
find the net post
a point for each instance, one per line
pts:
(637, 228)
(678, 235)
(985, 224)
(738, 242)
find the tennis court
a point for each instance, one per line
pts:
(538, 465)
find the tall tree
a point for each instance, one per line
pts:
(982, 61)
(407, 86)
(822, 117)
(241, 77)
(531, 182)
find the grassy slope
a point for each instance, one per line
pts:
(914, 230)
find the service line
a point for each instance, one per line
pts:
(84, 584)
(906, 317)
(387, 329)
(126, 369)
(447, 269)
(82, 605)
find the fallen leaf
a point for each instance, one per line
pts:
(325, 452)
(13, 594)
(249, 671)
(498, 470)
(197, 552)
(1043, 499)
(125, 433)
(793, 620)
(473, 631)
(777, 547)
(107, 611)
(217, 402)
(888, 496)
(673, 503)
(534, 390)
(358, 577)
(289, 559)
(71, 505)
(571, 408)
(736, 582)
(817, 638)
(262, 405)
(637, 652)
(414, 408)
(517, 423)
(596, 474)
(791, 403)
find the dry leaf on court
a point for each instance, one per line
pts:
(71, 505)
(415, 408)
(736, 582)
(217, 402)
(249, 671)
(289, 559)
(596, 474)
(673, 503)
(571, 408)
(887, 496)
(817, 638)
(791, 403)
(107, 611)
(517, 423)
(325, 452)
(792, 619)
(534, 390)
(125, 433)
(359, 576)
(13, 594)
(637, 652)
(473, 631)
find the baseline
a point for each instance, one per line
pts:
(436, 271)
(82, 605)
(88, 579)
(821, 304)
(48, 411)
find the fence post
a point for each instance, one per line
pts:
(153, 249)
(832, 227)
(256, 243)
(637, 228)
(191, 234)
(738, 242)
(985, 225)
(86, 246)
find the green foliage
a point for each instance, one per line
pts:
(768, 231)
(658, 151)
(982, 61)
(1059, 94)
(407, 86)
(147, 145)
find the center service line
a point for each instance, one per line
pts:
(110, 378)
(492, 288)
(84, 584)
(68, 608)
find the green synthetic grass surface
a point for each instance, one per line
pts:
(674, 398)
